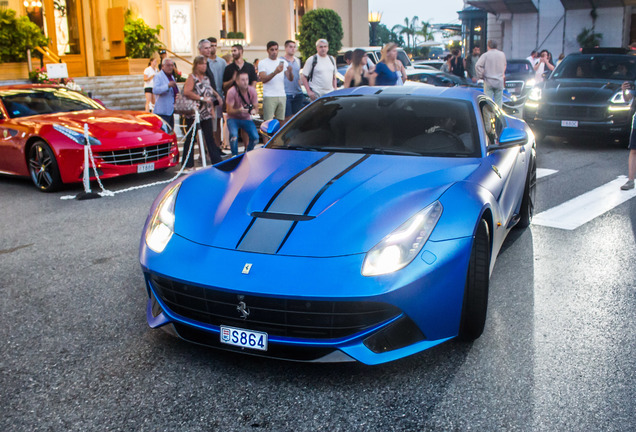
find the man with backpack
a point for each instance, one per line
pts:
(319, 73)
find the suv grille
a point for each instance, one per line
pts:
(573, 112)
(276, 316)
(137, 155)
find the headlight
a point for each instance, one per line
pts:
(618, 98)
(399, 248)
(165, 126)
(531, 82)
(76, 136)
(161, 225)
(535, 94)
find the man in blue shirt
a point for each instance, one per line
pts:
(165, 90)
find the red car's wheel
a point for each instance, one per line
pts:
(43, 167)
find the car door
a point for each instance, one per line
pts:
(12, 160)
(509, 164)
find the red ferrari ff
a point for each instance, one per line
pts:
(42, 136)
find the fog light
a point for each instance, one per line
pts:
(398, 334)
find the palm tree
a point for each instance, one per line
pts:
(408, 29)
(424, 32)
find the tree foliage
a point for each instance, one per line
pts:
(142, 41)
(17, 35)
(588, 38)
(320, 24)
(384, 35)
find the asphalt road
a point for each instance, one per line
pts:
(558, 352)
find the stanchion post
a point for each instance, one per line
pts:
(197, 123)
(86, 179)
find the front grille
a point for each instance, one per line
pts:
(136, 155)
(275, 316)
(515, 87)
(572, 112)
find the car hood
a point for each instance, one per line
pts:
(114, 129)
(583, 91)
(304, 203)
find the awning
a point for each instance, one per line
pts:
(589, 4)
(505, 6)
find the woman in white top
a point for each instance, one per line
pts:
(542, 66)
(149, 74)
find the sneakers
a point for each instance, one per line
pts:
(629, 185)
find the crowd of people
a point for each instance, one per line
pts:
(226, 88)
(228, 85)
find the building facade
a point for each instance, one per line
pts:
(521, 26)
(87, 33)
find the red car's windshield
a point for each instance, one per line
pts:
(29, 102)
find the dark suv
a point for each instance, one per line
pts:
(583, 96)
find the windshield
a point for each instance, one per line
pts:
(383, 124)
(28, 102)
(518, 68)
(615, 67)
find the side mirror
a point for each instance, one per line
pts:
(511, 137)
(269, 127)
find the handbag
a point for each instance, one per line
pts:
(183, 105)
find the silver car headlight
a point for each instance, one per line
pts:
(531, 83)
(161, 226)
(165, 126)
(76, 136)
(399, 248)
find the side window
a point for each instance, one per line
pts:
(493, 121)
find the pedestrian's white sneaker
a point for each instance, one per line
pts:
(629, 185)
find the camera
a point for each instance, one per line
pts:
(248, 107)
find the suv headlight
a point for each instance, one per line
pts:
(618, 102)
(535, 94)
(399, 248)
(76, 136)
(161, 226)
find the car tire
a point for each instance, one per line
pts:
(43, 167)
(475, 304)
(529, 196)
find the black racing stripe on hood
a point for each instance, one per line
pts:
(265, 235)
(278, 192)
(320, 193)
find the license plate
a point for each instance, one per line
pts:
(147, 167)
(569, 123)
(244, 338)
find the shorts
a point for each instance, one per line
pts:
(147, 89)
(274, 107)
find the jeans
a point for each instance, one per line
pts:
(248, 126)
(294, 104)
(168, 118)
(495, 94)
(210, 146)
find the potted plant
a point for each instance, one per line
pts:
(16, 36)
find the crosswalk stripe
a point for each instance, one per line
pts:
(544, 172)
(582, 209)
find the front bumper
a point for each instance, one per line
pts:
(116, 163)
(556, 119)
(425, 299)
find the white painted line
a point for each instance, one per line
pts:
(544, 172)
(582, 209)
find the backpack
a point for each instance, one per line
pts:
(315, 62)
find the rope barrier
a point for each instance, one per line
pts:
(88, 156)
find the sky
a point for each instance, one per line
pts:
(434, 11)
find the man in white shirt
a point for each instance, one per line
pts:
(272, 72)
(319, 73)
(491, 67)
(534, 58)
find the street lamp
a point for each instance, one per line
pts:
(374, 20)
